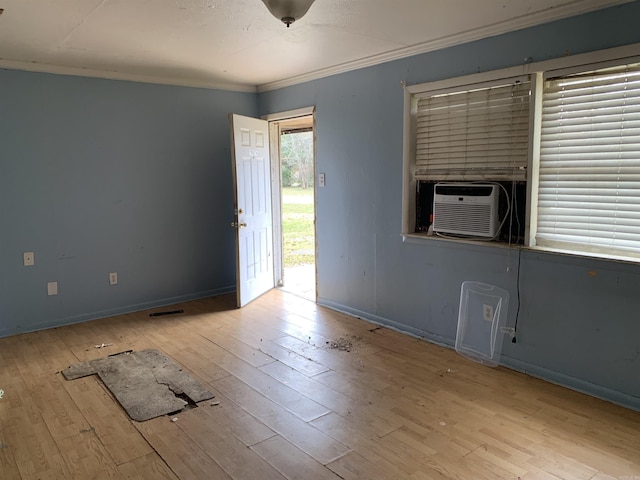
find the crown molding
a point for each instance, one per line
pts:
(130, 77)
(518, 23)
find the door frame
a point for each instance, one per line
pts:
(274, 120)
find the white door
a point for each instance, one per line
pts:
(252, 179)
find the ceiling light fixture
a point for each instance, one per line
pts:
(288, 11)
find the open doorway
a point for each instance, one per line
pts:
(297, 175)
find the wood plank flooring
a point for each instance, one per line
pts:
(302, 392)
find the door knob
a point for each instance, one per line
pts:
(238, 225)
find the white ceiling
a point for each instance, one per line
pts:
(238, 45)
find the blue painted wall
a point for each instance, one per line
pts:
(100, 176)
(578, 322)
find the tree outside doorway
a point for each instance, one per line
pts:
(296, 153)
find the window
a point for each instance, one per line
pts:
(589, 192)
(562, 141)
(480, 134)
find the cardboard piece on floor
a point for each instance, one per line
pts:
(145, 383)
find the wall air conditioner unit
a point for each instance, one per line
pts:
(469, 209)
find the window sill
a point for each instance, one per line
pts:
(423, 238)
(586, 255)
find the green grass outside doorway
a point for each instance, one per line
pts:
(297, 226)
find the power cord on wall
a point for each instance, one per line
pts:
(515, 326)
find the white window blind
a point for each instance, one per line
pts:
(478, 134)
(589, 193)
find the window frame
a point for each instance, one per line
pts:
(538, 72)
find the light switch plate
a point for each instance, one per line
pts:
(52, 288)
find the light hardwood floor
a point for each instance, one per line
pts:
(292, 405)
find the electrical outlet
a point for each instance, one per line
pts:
(28, 259)
(113, 278)
(321, 180)
(52, 288)
(487, 312)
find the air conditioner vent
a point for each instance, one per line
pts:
(466, 209)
